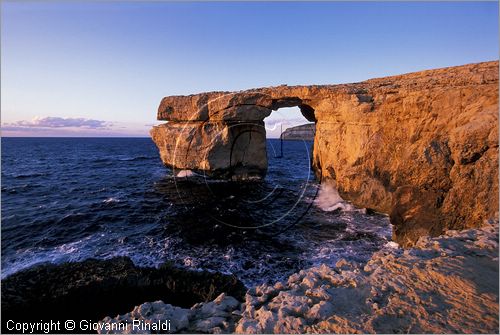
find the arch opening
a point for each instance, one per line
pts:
(290, 139)
(287, 117)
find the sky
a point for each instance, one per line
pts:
(101, 68)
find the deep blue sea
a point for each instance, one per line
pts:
(69, 199)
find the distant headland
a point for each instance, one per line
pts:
(303, 132)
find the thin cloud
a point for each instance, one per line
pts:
(72, 127)
(56, 122)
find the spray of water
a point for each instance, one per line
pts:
(330, 200)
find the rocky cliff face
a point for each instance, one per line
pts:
(422, 147)
(303, 132)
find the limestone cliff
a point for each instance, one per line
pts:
(422, 147)
(303, 132)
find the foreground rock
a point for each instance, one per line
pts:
(92, 289)
(217, 316)
(422, 147)
(447, 284)
(443, 285)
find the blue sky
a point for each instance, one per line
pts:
(101, 68)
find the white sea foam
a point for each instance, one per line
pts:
(110, 200)
(185, 174)
(68, 252)
(392, 245)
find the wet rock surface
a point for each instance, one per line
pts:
(447, 284)
(92, 289)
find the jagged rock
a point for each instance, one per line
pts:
(447, 284)
(94, 288)
(422, 147)
(443, 285)
(150, 312)
(211, 317)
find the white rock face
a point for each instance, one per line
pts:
(212, 317)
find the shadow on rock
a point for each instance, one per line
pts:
(93, 289)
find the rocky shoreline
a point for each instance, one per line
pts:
(447, 284)
(92, 289)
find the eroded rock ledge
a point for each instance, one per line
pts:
(91, 289)
(444, 285)
(422, 147)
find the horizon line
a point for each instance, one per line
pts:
(276, 138)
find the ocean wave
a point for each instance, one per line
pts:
(69, 252)
(111, 200)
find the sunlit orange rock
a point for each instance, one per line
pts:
(422, 147)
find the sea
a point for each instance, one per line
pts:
(71, 199)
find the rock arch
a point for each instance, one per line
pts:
(421, 147)
(220, 134)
